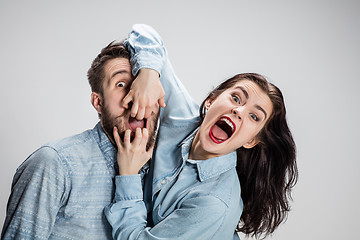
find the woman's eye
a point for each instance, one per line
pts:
(120, 84)
(253, 116)
(236, 98)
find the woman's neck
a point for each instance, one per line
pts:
(196, 150)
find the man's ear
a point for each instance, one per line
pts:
(252, 143)
(96, 101)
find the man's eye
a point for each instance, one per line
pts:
(236, 98)
(121, 84)
(253, 116)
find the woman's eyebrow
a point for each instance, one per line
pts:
(244, 91)
(247, 97)
(261, 109)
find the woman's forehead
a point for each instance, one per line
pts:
(248, 85)
(254, 93)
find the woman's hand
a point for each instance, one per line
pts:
(132, 156)
(146, 93)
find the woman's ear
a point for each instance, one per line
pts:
(208, 103)
(96, 101)
(252, 143)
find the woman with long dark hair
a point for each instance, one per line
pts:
(230, 169)
(267, 171)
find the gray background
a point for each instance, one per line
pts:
(310, 49)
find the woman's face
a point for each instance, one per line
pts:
(233, 120)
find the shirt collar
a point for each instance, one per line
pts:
(102, 139)
(210, 167)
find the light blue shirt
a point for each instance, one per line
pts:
(60, 191)
(188, 199)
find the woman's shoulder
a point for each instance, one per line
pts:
(225, 187)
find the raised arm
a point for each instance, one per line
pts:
(198, 216)
(148, 52)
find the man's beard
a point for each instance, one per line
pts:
(108, 122)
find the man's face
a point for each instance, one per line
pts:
(116, 85)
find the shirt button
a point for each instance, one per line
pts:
(163, 181)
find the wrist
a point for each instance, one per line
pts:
(149, 72)
(127, 173)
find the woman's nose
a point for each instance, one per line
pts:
(238, 111)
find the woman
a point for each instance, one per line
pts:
(192, 190)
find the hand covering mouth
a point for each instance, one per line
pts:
(134, 123)
(222, 130)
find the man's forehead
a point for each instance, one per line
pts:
(117, 63)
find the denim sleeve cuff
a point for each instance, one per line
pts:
(146, 59)
(128, 187)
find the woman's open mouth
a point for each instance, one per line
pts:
(222, 130)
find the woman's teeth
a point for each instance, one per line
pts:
(227, 121)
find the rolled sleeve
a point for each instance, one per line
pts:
(148, 51)
(128, 187)
(127, 214)
(207, 213)
(146, 47)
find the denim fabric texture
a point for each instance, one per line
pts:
(60, 191)
(188, 199)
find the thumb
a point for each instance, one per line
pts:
(161, 102)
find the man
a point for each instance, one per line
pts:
(60, 190)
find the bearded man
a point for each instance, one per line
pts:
(61, 189)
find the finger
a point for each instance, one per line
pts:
(127, 137)
(161, 102)
(128, 98)
(134, 109)
(117, 137)
(153, 109)
(148, 112)
(138, 135)
(145, 136)
(140, 113)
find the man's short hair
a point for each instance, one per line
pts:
(96, 72)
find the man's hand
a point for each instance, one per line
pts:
(132, 156)
(146, 93)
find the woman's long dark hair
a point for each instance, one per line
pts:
(268, 171)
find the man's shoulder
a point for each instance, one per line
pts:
(74, 141)
(54, 149)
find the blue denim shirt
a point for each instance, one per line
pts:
(189, 199)
(60, 191)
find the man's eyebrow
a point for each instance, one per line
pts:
(261, 109)
(244, 91)
(118, 72)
